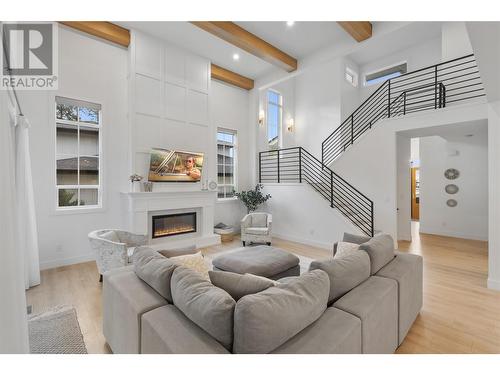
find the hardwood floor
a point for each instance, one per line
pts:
(460, 315)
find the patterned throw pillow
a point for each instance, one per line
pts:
(194, 261)
(345, 248)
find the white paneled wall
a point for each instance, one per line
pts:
(169, 99)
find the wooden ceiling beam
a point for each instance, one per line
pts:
(102, 29)
(119, 35)
(359, 30)
(230, 77)
(236, 35)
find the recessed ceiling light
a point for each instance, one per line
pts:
(290, 23)
(236, 56)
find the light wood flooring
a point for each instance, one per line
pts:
(460, 315)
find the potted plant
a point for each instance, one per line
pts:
(253, 198)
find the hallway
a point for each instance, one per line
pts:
(459, 315)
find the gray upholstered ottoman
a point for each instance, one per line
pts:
(266, 261)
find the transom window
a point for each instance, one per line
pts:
(274, 119)
(385, 74)
(226, 163)
(78, 151)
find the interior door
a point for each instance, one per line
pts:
(415, 193)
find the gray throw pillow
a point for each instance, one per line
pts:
(239, 285)
(352, 238)
(207, 306)
(345, 273)
(155, 270)
(381, 251)
(355, 238)
(266, 320)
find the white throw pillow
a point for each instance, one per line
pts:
(345, 248)
(194, 261)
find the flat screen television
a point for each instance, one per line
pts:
(175, 166)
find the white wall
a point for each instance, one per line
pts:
(301, 214)
(371, 164)
(169, 105)
(484, 38)
(349, 94)
(317, 105)
(455, 40)
(493, 197)
(469, 219)
(286, 89)
(229, 109)
(96, 71)
(403, 156)
(417, 57)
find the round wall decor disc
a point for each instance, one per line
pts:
(451, 189)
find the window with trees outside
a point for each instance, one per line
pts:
(78, 151)
(274, 119)
(226, 163)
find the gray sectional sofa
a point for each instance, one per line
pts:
(364, 302)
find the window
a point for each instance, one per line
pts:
(351, 76)
(274, 119)
(78, 140)
(226, 163)
(385, 74)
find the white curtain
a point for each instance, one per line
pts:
(27, 230)
(13, 322)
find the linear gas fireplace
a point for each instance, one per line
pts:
(173, 224)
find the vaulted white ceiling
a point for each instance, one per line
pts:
(300, 40)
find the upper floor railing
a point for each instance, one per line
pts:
(434, 87)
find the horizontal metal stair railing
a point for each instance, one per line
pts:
(433, 87)
(296, 164)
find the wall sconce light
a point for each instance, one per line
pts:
(261, 117)
(290, 125)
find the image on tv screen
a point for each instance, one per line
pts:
(175, 166)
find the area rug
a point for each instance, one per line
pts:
(56, 332)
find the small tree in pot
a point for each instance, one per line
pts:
(253, 198)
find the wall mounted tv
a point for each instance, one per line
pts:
(175, 166)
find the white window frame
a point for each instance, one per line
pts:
(78, 208)
(366, 84)
(280, 124)
(234, 133)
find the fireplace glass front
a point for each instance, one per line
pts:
(174, 224)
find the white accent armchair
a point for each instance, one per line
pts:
(256, 227)
(114, 248)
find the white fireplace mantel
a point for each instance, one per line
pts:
(140, 207)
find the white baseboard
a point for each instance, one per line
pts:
(452, 234)
(493, 284)
(305, 241)
(48, 264)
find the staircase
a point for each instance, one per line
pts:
(430, 88)
(298, 165)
